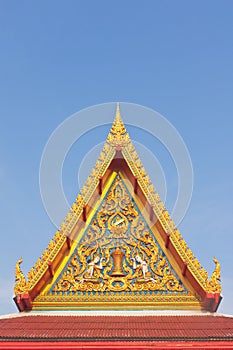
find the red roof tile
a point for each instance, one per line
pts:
(117, 327)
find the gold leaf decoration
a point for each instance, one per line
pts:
(213, 285)
(21, 286)
(118, 253)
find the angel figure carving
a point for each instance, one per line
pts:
(142, 267)
(93, 270)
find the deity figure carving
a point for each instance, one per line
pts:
(118, 253)
(141, 266)
(93, 271)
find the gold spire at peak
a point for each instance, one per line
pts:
(118, 127)
(118, 135)
(118, 113)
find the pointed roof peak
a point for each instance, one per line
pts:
(118, 127)
(118, 112)
(118, 135)
(97, 213)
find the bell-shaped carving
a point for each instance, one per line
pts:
(117, 256)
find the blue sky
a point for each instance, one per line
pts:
(59, 57)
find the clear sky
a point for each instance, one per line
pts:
(58, 57)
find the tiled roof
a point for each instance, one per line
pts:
(73, 327)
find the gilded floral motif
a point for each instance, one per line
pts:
(118, 252)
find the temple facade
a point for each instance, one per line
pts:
(117, 274)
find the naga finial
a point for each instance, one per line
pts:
(18, 271)
(21, 286)
(214, 285)
(217, 269)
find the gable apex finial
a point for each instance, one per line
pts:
(118, 118)
(118, 127)
(118, 109)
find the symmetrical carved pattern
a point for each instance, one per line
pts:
(118, 138)
(118, 135)
(118, 253)
(120, 296)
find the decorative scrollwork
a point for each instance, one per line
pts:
(118, 253)
(169, 226)
(118, 135)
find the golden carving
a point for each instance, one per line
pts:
(69, 223)
(166, 216)
(118, 253)
(118, 127)
(213, 285)
(169, 226)
(93, 272)
(48, 255)
(74, 207)
(183, 301)
(117, 256)
(204, 274)
(21, 286)
(139, 242)
(118, 135)
(118, 225)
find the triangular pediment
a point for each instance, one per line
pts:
(118, 246)
(117, 259)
